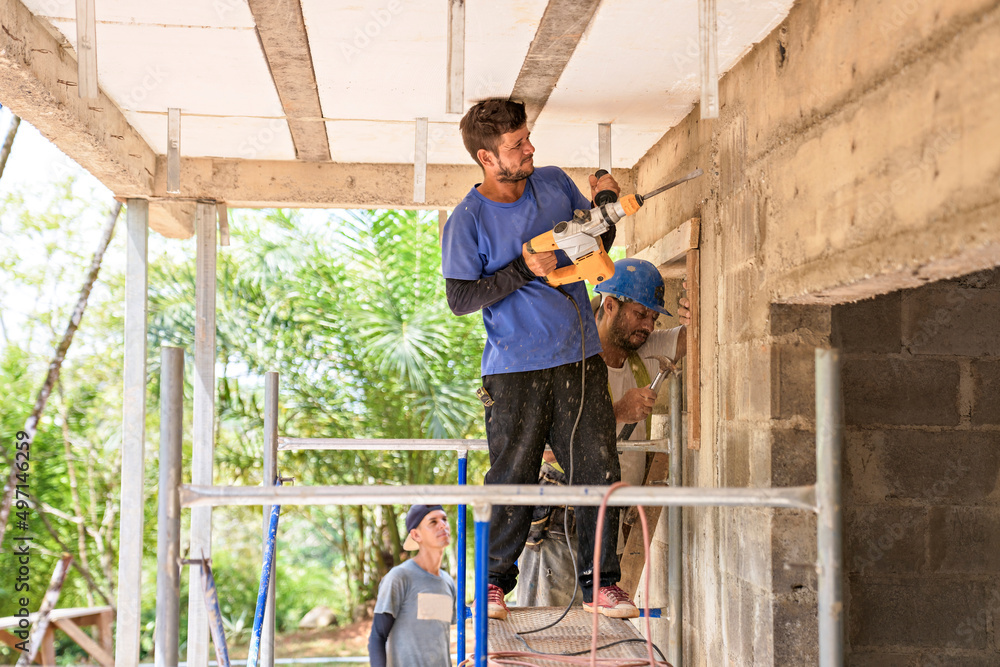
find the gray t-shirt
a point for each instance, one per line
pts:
(424, 608)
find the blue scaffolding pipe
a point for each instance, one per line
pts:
(481, 514)
(463, 461)
(265, 583)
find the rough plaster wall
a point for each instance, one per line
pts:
(922, 463)
(855, 155)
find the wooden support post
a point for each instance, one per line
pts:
(420, 162)
(173, 151)
(130, 525)
(709, 59)
(203, 424)
(633, 558)
(604, 146)
(442, 220)
(455, 101)
(95, 650)
(86, 50)
(693, 359)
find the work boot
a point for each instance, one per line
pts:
(613, 602)
(495, 606)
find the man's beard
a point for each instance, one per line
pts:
(508, 175)
(622, 338)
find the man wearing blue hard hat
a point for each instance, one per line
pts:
(627, 306)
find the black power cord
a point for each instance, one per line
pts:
(572, 436)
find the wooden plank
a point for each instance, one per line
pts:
(604, 146)
(86, 50)
(223, 223)
(633, 558)
(47, 655)
(173, 151)
(673, 247)
(455, 100)
(86, 643)
(693, 357)
(560, 29)
(420, 161)
(281, 30)
(709, 58)
(203, 424)
(130, 520)
(104, 631)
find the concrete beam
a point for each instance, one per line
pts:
(273, 183)
(38, 81)
(558, 33)
(281, 30)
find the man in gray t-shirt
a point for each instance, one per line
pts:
(416, 599)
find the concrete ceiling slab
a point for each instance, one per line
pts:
(196, 69)
(377, 65)
(217, 136)
(214, 13)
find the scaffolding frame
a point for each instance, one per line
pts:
(823, 498)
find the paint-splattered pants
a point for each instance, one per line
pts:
(534, 407)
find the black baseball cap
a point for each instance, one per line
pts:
(413, 519)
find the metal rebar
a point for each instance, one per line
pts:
(168, 543)
(675, 650)
(214, 614)
(796, 497)
(829, 523)
(463, 462)
(481, 513)
(270, 474)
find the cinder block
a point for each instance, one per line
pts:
(789, 318)
(986, 391)
(951, 320)
(900, 391)
(885, 540)
(952, 658)
(793, 382)
(962, 467)
(965, 540)
(796, 631)
(873, 325)
(880, 659)
(793, 548)
(736, 455)
(793, 457)
(864, 482)
(919, 613)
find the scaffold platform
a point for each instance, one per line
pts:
(570, 635)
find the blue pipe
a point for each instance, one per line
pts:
(265, 583)
(482, 569)
(463, 462)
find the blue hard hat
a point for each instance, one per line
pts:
(637, 280)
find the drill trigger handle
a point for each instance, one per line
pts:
(604, 196)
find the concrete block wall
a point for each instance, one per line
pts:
(855, 155)
(921, 495)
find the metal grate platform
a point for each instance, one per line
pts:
(571, 634)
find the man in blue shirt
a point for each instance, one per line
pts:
(542, 348)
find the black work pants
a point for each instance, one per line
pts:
(531, 408)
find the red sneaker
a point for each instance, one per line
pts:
(495, 606)
(613, 602)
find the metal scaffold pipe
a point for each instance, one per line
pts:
(829, 524)
(796, 497)
(675, 650)
(430, 445)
